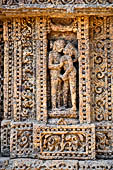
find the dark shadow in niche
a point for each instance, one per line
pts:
(59, 94)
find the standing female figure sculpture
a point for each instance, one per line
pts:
(69, 76)
(54, 66)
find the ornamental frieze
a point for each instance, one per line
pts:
(56, 2)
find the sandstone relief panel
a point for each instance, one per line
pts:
(64, 142)
(58, 91)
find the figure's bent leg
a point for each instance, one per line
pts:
(73, 92)
(54, 84)
(65, 92)
(59, 93)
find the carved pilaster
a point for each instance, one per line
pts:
(1, 69)
(101, 68)
(28, 107)
(41, 70)
(8, 69)
(84, 69)
(17, 69)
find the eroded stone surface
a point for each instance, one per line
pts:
(58, 85)
(26, 164)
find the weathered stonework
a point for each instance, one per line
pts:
(20, 164)
(5, 137)
(55, 2)
(65, 142)
(56, 84)
(104, 141)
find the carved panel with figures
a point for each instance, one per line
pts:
(63, 69)
(58, 70)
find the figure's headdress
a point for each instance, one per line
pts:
(57, 43)
(70, 50)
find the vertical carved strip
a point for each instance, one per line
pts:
(111, 28)
(110, 79)
(17, 69)
(41, 72)
(34, 35)
(101, 61)
(1, 69)
(105, 54)
(109, 32)
(108, 116)
(38, 88)
(28, 70)
(100, 72)
(15, 74)
(111, 35)
(1, 75)
(101, 67)
(5, 137)
(8, 69)
(84, 71)
(88, 86)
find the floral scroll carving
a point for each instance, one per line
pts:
(96, 1)
(101, 75)
(27, 64)
(72, 142)
(104, 140)
(52, 143)
(56, 2)
(23, 133)
(10, 2)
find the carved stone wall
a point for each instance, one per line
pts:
(56, 86)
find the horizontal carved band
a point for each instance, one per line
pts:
(69, 141)
(20, 164)
(56, 2)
